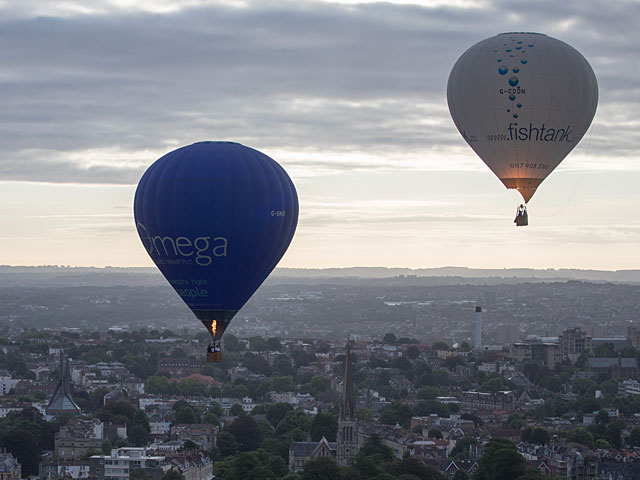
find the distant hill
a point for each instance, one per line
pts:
(564, 274)
(55, 276)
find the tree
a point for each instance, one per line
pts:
(411, 467)
(138, 436)
(461, 475)
(396, 413)
(173, 474)
(236, 410)
(277, 411)
(633, 439)
(374, 447)
(186, 415)
(324, 425)
(227, 444)
(293, 420)
(389, 339)
(462, 446)
(613, 432)
(321, 468)
(428, 407)
(514, 421)
(247, 433)
(139, 474)
(413, 352)
(500, 461)
(318, 384)
(580, 435)
(274, 344)
(23, 445)
(434, 433)
(440, 346)
(232, 344)
(211, 419)
(190, 445)
(539, 436)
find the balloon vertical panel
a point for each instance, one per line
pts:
(216, 217)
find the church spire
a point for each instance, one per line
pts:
(347, 444)
(62, 401)
(348, 401)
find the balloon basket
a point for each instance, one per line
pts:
(214, 357)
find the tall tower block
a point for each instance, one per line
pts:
(478, 337)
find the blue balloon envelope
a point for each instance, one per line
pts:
(215, 217)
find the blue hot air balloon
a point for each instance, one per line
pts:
(215, 217)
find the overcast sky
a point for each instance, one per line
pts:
(349, 97)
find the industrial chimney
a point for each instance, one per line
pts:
(478, 338)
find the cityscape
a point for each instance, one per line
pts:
(444, 365)
(319, 240)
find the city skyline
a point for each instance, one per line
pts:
(349, 97)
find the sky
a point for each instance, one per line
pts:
(349, 97)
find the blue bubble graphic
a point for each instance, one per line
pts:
(515, 115)
(512, 97)
(503, 70)
(508, 109)
(518, 48)
(523, 61)
(513, 81)
(519, 42)
(499, 60)
(519, 105)
(531, 45)
(516, 69)
(507, 50)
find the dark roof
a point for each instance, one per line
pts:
(612, 362)
(305, 449)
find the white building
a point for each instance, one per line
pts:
(7, 384)
(629, 387)
(121, 462)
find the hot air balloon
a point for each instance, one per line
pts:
(215, 217)
(522, 101)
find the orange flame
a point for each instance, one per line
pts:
(213, 328)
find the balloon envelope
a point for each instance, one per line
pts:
(522, 101)
(215, 217)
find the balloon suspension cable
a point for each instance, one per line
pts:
(575, 186)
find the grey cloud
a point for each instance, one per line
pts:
(282, 75)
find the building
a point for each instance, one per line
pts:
(633, 334)
(62, 401)
(122, 461)
(59, 470)
(504, 400)
(348, 445)
(7, 383)
(613, 367)
(9, 467)
(507, 334)
(542, 353)
(301, 452)
(629, 388)
(201, 434)
(77, 438)
(180, 367)
(573, 342)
